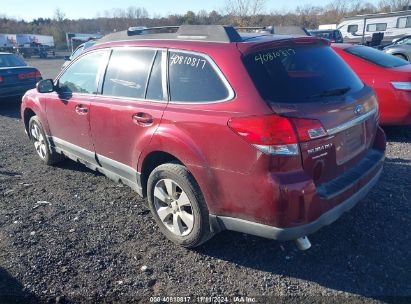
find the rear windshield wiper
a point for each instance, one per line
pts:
(333, 92)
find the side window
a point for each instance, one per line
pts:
(127, 73)
(81, 76)
(404, 22)
(376, 27)
(194, 79)
(353, 28)
(155, 85)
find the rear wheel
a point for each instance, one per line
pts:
(178, 206)
(41, 144)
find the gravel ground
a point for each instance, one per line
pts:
(68, 235)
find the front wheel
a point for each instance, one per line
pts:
(41, 145)
(178, 206)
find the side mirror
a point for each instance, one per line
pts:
(395, 40)
(45, 86)
(67, 58)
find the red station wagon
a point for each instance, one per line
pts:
(273, 136)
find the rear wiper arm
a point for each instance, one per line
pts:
(333, 92)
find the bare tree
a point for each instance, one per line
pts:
(242, 11)
(393, 5)
(136, 12)
(59, 15)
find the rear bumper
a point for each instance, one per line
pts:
(284, 234)
(15, 91)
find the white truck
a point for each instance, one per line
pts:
(359, 29)
(6, 45)
(33, 44)
(332, 26)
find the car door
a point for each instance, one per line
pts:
(68, 108)
(129, 108)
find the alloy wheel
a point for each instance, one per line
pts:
(173, 207)
(39, 141)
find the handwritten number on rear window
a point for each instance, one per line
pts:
(270, 56)
(194, 62)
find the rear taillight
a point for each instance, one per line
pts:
(274, 134)
(1, 78)
(405, 86)
(29, 75)
(22, 76)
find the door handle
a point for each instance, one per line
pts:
(81, 109)
(142, 119)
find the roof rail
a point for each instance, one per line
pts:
(207, 33)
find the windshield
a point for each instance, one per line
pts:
(300, 74)
(376, 56)
(10, 60)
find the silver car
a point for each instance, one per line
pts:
(400, 48)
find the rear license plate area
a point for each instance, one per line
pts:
(352, 142)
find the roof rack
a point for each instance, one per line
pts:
(209, 33)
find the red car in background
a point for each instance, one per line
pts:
(390, 77)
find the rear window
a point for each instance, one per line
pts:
(300, 74)
(10, 60)
(376, 56)
(194, 79)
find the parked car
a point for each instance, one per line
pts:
(332, 35)
(77, 52)
(211, 128)
(16, 77)
(400, 48)
(389, 76)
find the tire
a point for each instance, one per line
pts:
(41, 144)
(174, 195)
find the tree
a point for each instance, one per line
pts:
(214, 17)
(393, 5)
(190, 17)
(241, 11)
(59, 15)
(202, 17)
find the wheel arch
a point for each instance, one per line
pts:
(172, 145)
(151, 161)
(27, 115)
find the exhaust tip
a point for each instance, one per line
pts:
(303, 243)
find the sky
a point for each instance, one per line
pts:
(75, 9)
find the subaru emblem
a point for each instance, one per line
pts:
(358, 109)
